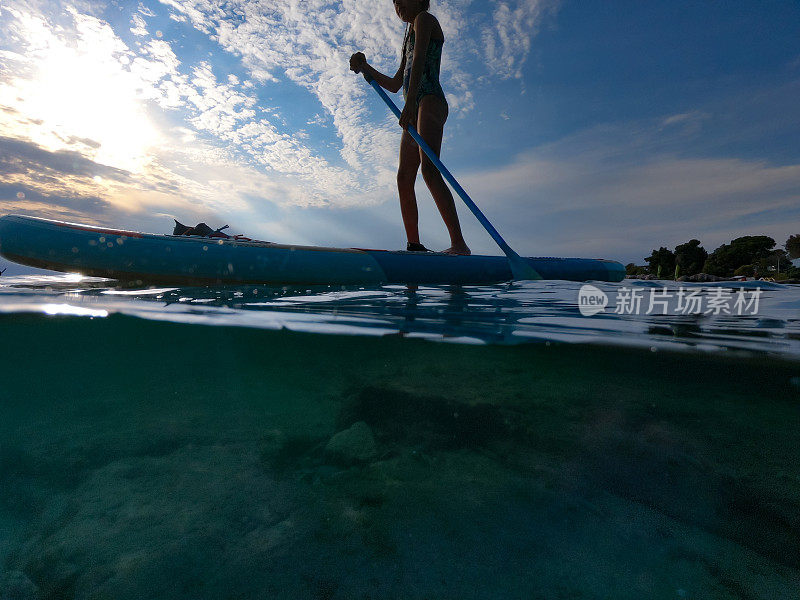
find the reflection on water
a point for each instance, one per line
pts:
(499, 314)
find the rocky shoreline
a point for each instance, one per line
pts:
(706, 277)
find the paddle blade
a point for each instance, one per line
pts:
(521, 270)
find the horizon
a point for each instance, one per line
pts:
(591, 131)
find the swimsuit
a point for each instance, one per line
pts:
(429, 82)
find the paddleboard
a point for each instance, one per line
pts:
(136, 257)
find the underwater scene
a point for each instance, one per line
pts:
(396, 442)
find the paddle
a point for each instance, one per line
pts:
(520, 269)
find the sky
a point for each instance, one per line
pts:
(592, 129)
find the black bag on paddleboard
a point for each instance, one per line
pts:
(200, 229)
(203, 230)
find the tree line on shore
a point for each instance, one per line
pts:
(750, 255)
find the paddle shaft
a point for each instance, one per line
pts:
(448, 176)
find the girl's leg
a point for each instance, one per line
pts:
(430, 125)
(406, 176)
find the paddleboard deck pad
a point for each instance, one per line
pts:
(135, 257)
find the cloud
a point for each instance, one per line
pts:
(139, 26)
(688, 117)
(310, 43)
(71, 85)
(318, 119)
(690, 122)
(18, 156)
(144, 10)
(507, 39)
(622, 189)
(65, 185)
(17, 199)
(103, 87)
(311, 46)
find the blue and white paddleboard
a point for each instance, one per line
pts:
(131, 256)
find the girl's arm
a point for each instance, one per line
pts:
(393, 84)
(359, 64)
(423, 26)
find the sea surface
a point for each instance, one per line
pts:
(395, 442)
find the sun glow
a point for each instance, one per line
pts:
(68, 309)
(76, 92)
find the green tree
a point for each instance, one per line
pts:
(776, 262)
(690, 257)
(746, 250)
(634, 269)
(662, 260)
(717, 262)
(792, 246)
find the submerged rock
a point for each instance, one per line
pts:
(353, 445)
(403, 420)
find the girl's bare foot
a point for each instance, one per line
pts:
(458, 249)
